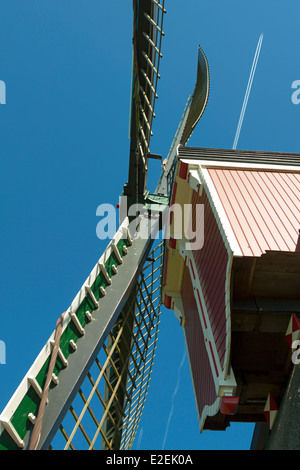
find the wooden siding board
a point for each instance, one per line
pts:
(233, 215)
(211, 264)
(219, 331)
(212, 250)
(238, 183)
(165, 266)
(294, 181)
(210, 278)
(204, 386)
(208, 235)
(265, 221)
(210, 254)
(289, 205)
(283, 216)
(212, 293)
(246, 219)
(216, 287)
(263, 207)
(276, 208)
(220, 340)
(289, 189)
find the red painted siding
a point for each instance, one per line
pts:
(204, 386)
(165, 266)
(211, 264)
(263, 207)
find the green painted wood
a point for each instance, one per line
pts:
(30, 402)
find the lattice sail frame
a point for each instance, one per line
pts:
(22, 412)
(101, 319)
(124, 371)
(116, 386)
(148, 18)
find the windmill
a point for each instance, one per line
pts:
(89, 383)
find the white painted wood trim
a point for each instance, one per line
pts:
(22, 389)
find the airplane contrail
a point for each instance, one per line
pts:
(139, 438)
(173, 397)
(248, 90)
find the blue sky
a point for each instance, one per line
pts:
(64, 150)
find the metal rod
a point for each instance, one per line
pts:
(151, 64)
(146, 120)
(159, 6)
(149, 82)
(152, 44)
(147, 101)
(154, 24)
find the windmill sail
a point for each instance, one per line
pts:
(193, 111)
(147, 39)
(108, 334)
(88, 385)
